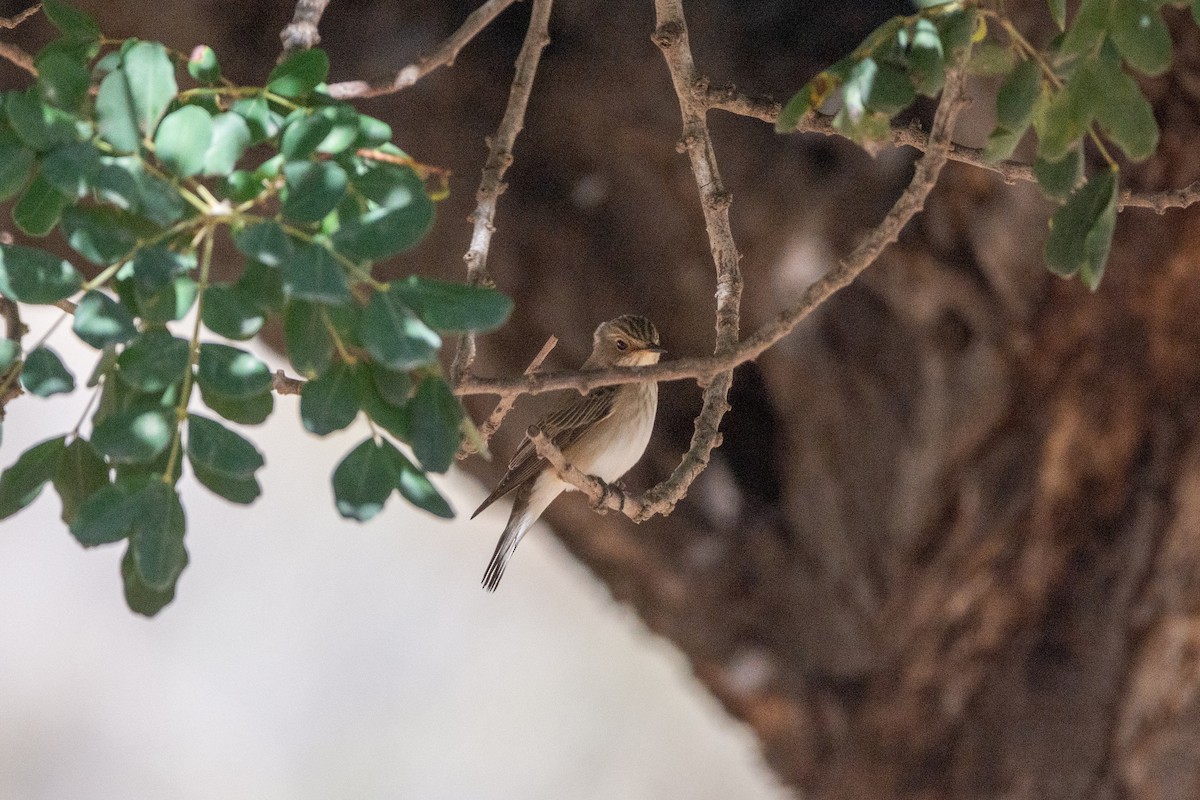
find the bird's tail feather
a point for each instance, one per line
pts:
(517, 525)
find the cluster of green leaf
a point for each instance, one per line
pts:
(1075, 90)
(140, 176)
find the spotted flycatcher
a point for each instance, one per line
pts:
(603, 434)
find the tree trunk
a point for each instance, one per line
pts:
(948, 548)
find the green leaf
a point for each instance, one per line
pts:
(299, 74)
(374, 132)
(313, 189)
(72, 168)
(1017, 96)
(214, 448)
(230, 138)
(1081, 231)
(1058, 179)
(313, 274)
(101, 234)
(329, 402)
(116, 117)
(203, 66)
(393, 334)
(62, 80)
(154, 361)
(990, 59)
(34, 276)
(39, 208)
(104, 517)
(1087, 29)
(21, 483)
(413, 484)
(73, 23)
(393, 386)
(436, 414)
(345, 132)
(397, 226)
(260, 119)
(309, 345)
(1058, 10)
(1000, 144)
(101, 321)
(230, 313)
(151, 82)
(362, 482)
(124, 182)
(171, 303)
(45, 375)
(1067, 115)
(927, 60)
(38, 125)
(1196, 11)
(262, 286)
(155, 267)
(136, 435)
(140, 598)
(104, 365)
(242, 491)
(251, 410)
(1125, 115)
(231, 371)
(301, 137)
(10, 351)
(392, 417)
(157, 537)
(16, 161)
(1141, 36)
(957, 28)
(264, 242)
(81, 473)
(182, 140)
(447, 306)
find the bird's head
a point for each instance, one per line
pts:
(627, 341)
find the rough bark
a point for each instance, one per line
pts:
(948, 547)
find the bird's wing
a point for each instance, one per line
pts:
(563, 427)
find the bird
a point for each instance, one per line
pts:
(603, 433)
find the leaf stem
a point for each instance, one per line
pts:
(193, 355)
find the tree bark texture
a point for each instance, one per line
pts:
(949, 546)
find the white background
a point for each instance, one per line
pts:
(310, 657)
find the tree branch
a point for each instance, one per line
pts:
(478, 19)
(662, 498)
(488, 429)
(731, 100)
(14, 330)
(500, 156)
(301, 33)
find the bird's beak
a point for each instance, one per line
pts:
(655, 349)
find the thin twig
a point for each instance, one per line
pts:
(730, 100)
(442, 57)
(910, 202)
(491, 186)
(488, 429)
(282, 384)
(14, 330)
(301, 33)
(12, 22)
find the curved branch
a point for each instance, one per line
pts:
(661, 499)
(444, 56)
(500, 157)
(301, 33)
(730, 100)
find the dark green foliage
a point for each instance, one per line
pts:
(141, 177)
(1078, 89)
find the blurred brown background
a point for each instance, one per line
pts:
(948, 548)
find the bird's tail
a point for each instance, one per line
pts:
(518, 523)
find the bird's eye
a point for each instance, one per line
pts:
(622, 344)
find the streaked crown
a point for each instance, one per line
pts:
(629, 340)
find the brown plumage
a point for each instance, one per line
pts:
(603, 433)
